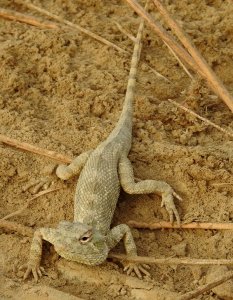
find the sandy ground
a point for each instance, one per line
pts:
(63, 91)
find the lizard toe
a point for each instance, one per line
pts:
(137, 268)
(142, 269)
(36, 271)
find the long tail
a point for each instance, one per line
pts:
(125, 121)
(127, 110)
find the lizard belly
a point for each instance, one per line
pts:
(97, 191)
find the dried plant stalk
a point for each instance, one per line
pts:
(213, 81)
(60, 19)
(171, 260)
(15, 16)
(125, 32)
(193, 225)
(19, 211)
(199, 291)
(179, 61)
(160, 31)
(28, 147)
(201, 118)
(196, 61)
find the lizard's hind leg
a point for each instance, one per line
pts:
(74, 168)
(146, 187)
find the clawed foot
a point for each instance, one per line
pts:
(137, 268)
(168, 203)
(36, 270)
(35, 185)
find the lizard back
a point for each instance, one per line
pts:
(98, 187)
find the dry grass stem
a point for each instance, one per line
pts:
(171, 260)
(91, 34)
(13, 226)
(122, 30)
(19, 211)
(179, 61)
(9, 14)
(157, 74)
(166, 37)
(34, 149)
(207, 287)
(193, 225)
(15, 16)
(133, 39)
(214, 82)
(79, 28)
(70, 24)
(198, 64)
(201, 118)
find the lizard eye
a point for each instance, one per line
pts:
(86, 237)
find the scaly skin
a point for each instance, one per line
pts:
(104, 170)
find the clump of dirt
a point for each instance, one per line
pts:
(62, 90)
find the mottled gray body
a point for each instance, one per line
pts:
(98, 186)
(98, 183)
(88, 239)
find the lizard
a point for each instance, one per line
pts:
(89, 238)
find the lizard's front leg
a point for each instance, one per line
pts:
(147, 186)
(33, 265)
(122, 231)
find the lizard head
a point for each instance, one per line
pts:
(81, 243)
